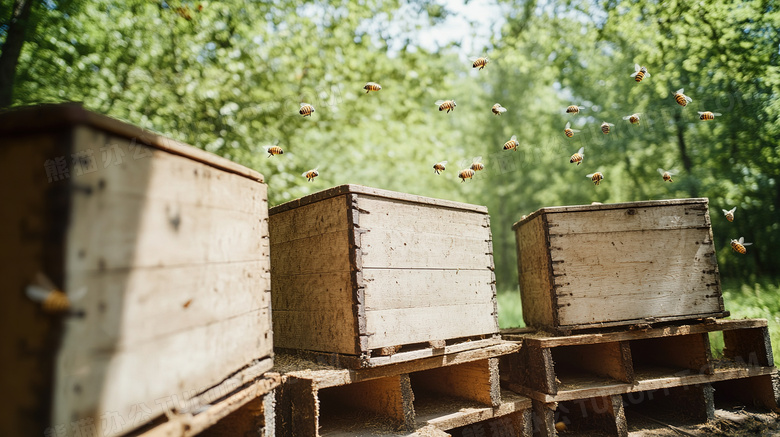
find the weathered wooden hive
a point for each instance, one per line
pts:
(162, 251)
(618, 264)
(362, 272)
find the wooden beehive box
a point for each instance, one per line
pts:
(358, 271)
(618, 264)
(162, 249)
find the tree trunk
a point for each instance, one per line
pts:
(9, 58)
(684, 156)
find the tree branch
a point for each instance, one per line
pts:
(12, 48)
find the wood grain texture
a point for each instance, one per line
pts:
(690, 352)
(383, 396)
(611, 360)
(534, 272)
(749, 346)
(756, 390)
(477, 381)
(297, 408)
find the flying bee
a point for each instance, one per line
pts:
(476, 165)
(273, 150)
(512, 144)
(439, 167)
(730, 214)
(595, 177)
(578, 157)
(606, 126)
(498, 109)
(306, 109)
(707, 115)
(466, 174)
(667, 175)
(739, 245)
(681, 98)
(480, 63)
(569, 131)
(372, 86)
(640, 73)
(449, 105)
(633, 118)
(574, 109)
(52, 299)
(310, 174)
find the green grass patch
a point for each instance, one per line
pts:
(510, 309)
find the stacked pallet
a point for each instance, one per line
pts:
(136, 292)
(638, 285)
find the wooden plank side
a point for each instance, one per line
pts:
(627, 219)
(383, 396)
(312, 291)
(412, 325)
(319, 218)
(123, 308)
(323, 329)
(379, 213)
(90, 382)
(412, 288)
(534, 273)
(326, 253)
(644, 275)
(475, 381)
(383, 248)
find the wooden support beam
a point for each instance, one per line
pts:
(749, 347)
(476, 380)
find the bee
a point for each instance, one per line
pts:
(606, 126)
(372, 86)
(498, 109)
(640, 73)
(306, 109)
(449, 105)
(200, 7)
(574, 109)
(730, 214)
(439, 167)
(578, 157)
(707, 115)
(310, 174)
(273, 150)
(52, 299)
(466, 174)
(667, 175)
(633, 118)
(595, 177)
(739, 245)
(569, 131)
(184, 12)
(681, 98)
(480, 63)
(476, 165)
(512, 144)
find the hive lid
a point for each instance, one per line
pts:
(376, 192)
(607, 206)
(40, 118)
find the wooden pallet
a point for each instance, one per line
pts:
(596, 374)
(407, 398)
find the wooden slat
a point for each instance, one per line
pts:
(315, 219)
(749, 346)
(623, 335)
(413, 325)
(690, 351)
(384, 248)
(53, 117)
(325, 329)
(761, 390)
(657, 217)
(374, 192)
(450, 414)
(297, 408)
(476, 381)
(415, 288)
(326, 253)
(383, 396)
(535, 274)
(612, 360)
(312, 291)
(382, 213)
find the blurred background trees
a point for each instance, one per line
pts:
(228, 77)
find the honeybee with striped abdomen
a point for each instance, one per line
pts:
(605, 127)
(667, 175)
(498, 109)
(273, 150)
(449, 105)
(52, 299)
(595, 177)
(480, 62)
(633, 118)
(310, 174)
(439, 167)
(569, 131)
(681, 98)
(476, 165)
(640, 73)
(578, 157)
(512, 144)
(730, 214)
(466, 174)
(574, 109)
(306, 110)
(707, 115)
(372, 86)
(739, 245)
